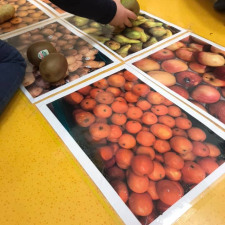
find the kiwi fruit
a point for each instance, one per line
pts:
(53, 67)
(38, 51)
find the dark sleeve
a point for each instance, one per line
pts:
(101, 11)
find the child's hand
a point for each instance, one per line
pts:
(123, 16)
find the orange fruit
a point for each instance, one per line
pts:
(115, 172)
(114, 90)
(143, 104)
(123, 158)
(121, 188)
(208, 164)
(174, 111)
(119, 106)
(95, 91)
(102, 111)
(181, 144)
(167, 120)
(173, 160)
(138, 184)
(179, 132)
(109, 163)
(192, 173)
(105, 152)
(129, 76)
(183, 123)
(164, 187)
(133, 126)
(99, 130)
(161, 131)
(189, 156)
(155, 98)
(141, 89)
(127, 141)
(161, 146)
(134, 113)
(159, 157)
(74, 98)
(145, 138)
(88, 104)
(158, 172)
(196, 134)
(84, 119)
(152, 190)
(118, 118)
(85, 90)
(159, 110)
(140, 204)
(102, 84)
(200, 149)
(142, 165)
(214, 151)
(144, 150)
(149, 118)
(128, 85)
(116, 80)
(173, 174)
(105, 97)
(131, 97)
(115, 132)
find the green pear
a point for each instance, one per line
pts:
(129, 33)
(123, 51)
(132, 5)
(112, 45)
(124, 40)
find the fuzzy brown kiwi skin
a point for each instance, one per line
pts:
(53, 67)
(35, 48)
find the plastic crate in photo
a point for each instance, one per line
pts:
(147, 32)
(150, 154)
(191, 68)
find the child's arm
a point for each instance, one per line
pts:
(102, 11)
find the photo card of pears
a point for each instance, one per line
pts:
(15, 15)
(191, 68)
(58, 57)
(149, 154)
(147, 31)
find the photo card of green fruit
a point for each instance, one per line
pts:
(149, 153)
(191, 68)
(147, 31)
(52, 7)
(57, 57)
(23, 14)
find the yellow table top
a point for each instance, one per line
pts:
(40, 180)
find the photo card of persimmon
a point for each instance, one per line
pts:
(191, 68)
(150, 154)
(84, 58)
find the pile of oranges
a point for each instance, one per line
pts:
(148, 149)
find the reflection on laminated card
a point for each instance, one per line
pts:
(151, 149)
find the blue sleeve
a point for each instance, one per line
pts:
(12, 71)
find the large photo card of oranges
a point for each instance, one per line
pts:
(146, 145)
(84, 58)
(193, 69)
(146, 32)
(25, 13)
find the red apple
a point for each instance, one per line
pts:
(197, 67)
(176, 46)
(199, 105)
(205, 94)
(210, 59)
(186, 54)
(186, 40)
(219, 72)
(188, 79)
(180, 90)
(217, 50)
(174, 65)
(223, 91)
(197, 40)
(147, 65)
(218, 110)
(211, 79)
(163, 54)
(196, 46)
